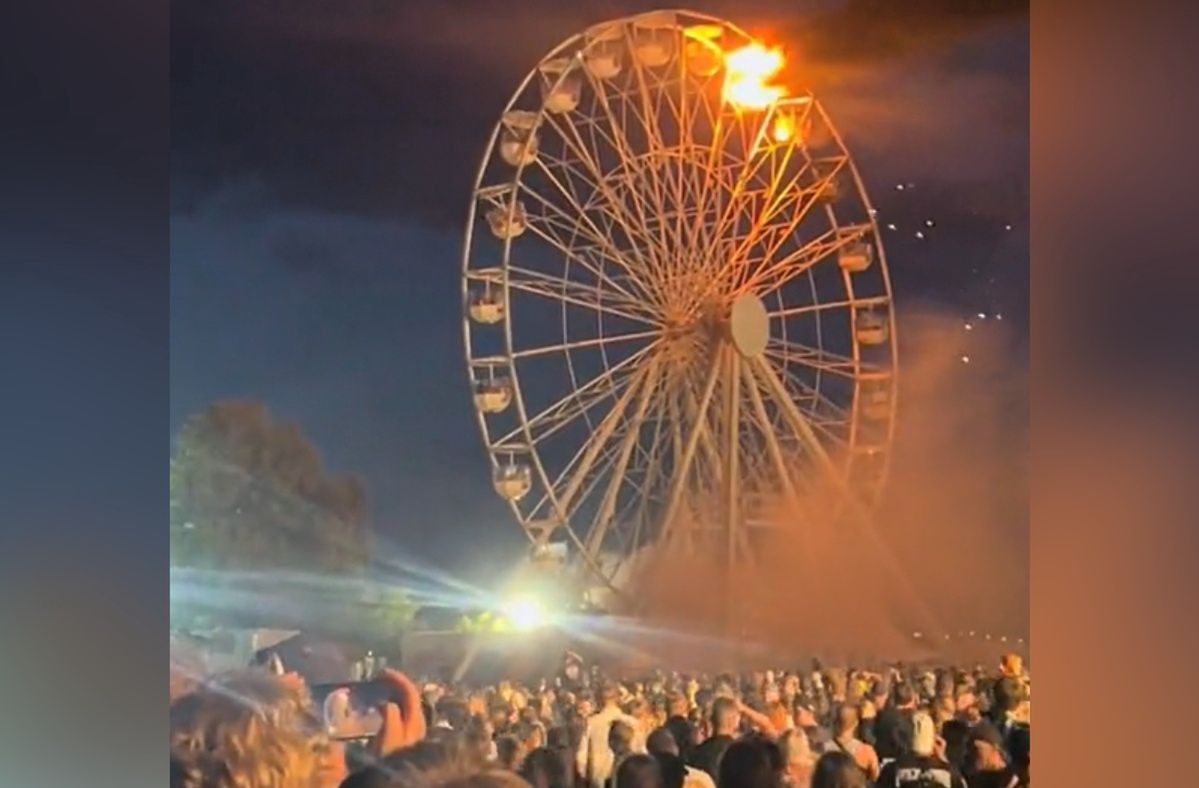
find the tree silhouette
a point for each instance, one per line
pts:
(251, 494)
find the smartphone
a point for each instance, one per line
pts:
(351, 710)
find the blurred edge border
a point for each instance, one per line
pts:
(85, 336)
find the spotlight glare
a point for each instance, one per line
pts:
(524, 613)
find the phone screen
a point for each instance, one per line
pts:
(351, 710)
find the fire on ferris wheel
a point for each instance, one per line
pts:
(677, 309)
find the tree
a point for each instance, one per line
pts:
(247, 493)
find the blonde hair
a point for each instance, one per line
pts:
(245, 730)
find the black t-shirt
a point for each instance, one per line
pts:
(1005, 778)
(707, 755)
(892, 732)
(919, 771)
(680, 728)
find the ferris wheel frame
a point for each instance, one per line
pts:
(537, 529)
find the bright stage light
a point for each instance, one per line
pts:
(525, 613)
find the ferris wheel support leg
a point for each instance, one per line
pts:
(805, 432)
(631, 438)
(597, 441)
(679, 484)
(732, 406)
(794, 505)
(858, 512)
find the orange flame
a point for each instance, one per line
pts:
(784, 128)
(747, 71)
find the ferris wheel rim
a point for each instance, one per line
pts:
(510, 354)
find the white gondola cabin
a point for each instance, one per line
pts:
(871, 327)
(512, 480)
(518, 139)
(560, 89)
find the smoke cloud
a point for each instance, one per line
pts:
(944, 554)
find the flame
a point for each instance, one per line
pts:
(747, 70)
(784, 128)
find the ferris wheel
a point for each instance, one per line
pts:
(678, 317)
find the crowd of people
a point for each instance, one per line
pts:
(897, 727)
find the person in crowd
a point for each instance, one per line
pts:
(798, 760)
(621, 738)
(987, 762)
(751, 762)
(510, 752)
(866, 716)
(678, 723)
(638, 771)
(819, 737)
(726, 724)
(845, 738)
(923, 762)
(662, 745)
(547, 767)
(956, 734)
(251, 729)
(893, 725)
(837, 770)
(758, 730)
(594, 758)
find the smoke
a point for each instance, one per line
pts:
(945, 553)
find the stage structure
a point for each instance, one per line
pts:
(677, 311)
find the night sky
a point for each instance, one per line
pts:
(321, 169)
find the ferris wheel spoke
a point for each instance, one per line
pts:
(836, 415)
(648, 117)
(831, 429)
(853, 303)
(618, 476)
(767, 430)
(683, 468)
(596, 442)
(580, 295)
(798, 423)
(807, 199)
(596, 179)
(749, 168)
(596, 473)
(699, 420)
(558, 417)
(653, 466)
(791, 352)
(609, 207)
(772, 275)
(559, 289)
(545, 227)
(619, 142)
(560, 412)
(777, 195)
(603, 341)
(584, 226)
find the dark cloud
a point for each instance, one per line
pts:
(383, 109)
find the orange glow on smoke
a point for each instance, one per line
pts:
(747, 72)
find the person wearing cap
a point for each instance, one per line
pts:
(923, 763)
(987, 762)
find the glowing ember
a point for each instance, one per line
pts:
(784, 128)
(747, 70)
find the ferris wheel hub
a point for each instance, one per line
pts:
(749, 325)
